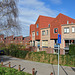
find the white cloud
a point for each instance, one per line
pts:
(56, 1)
(29, 10)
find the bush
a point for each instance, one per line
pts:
(11, 71)
(72, 49)
(14, 50)
(2, 46)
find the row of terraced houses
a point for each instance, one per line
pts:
(44, 33)
(16, 40)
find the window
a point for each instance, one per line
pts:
(67, 22)
(33, 34)
(73, 29)
(55, 30)
(37, 26)
(38, 43)
(66, 30)
(45, 43)
(43, 32)
(49, 25)
(71, 22)
(47, 32)
(37, 33)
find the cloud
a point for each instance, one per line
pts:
(56, 1)
(29, 10)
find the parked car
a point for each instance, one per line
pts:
(1, 52)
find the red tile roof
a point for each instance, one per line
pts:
(44, 21)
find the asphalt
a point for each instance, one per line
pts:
(40, 68)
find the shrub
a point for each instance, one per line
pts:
(72, 49)
(15, 51)
(11, 71)
(2, 46)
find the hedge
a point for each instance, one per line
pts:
(14, 50)
(72, 49)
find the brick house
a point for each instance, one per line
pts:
(18, 40)
(44, 36)
(8, 40)
(1, 38)
(15, 40)
(26, 40)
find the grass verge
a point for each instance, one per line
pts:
(11, 71)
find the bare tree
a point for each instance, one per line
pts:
(9, 15)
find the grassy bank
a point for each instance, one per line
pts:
(68, 60)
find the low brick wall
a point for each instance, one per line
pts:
(62, 52)
(48, 50)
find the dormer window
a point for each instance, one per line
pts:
(67, 22)
(49, 25)
(37, 25)
(71, 22)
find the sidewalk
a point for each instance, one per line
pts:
(41, 68)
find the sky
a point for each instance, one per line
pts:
(29, 10)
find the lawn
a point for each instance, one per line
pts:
(11, 71)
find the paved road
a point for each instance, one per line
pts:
(41, 68)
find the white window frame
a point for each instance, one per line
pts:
(46, 32)
(66, 30)
(43, 32)
(67, 22)
(33, 34)
(73, 29)
(44, 43)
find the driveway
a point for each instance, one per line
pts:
(41, 68)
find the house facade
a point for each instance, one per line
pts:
(68, 36)
(45, 33)
(26, 40)
(9, 39)
(20, 40)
